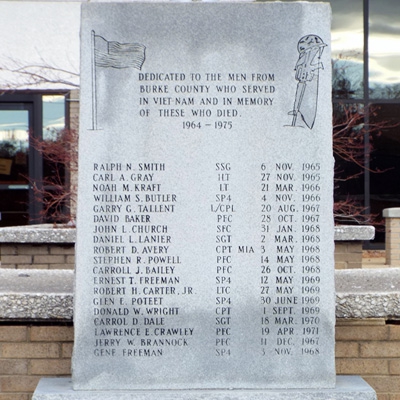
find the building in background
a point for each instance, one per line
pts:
(39, 65)
(366, 80)
(366, 77)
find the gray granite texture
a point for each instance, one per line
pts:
(61, 234)
(205, 230)
(347, 388)
(45, 233)
(37, 294)
(393, 212)
(350, 233)
(368, 293)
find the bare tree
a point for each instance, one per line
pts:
(20, 75)
(353, 143)
(57, 191)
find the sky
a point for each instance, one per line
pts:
(384, 39)
(39, 33)
(48, 33)
(36, 33)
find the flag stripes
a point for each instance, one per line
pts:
(109, 54)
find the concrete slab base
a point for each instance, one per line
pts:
(347, 388)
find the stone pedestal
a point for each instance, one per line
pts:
(348, 245)
(392, 242)
(347, 387)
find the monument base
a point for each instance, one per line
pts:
(347, 387)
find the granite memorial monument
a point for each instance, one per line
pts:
(205, 228)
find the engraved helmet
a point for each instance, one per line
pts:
(309, 41)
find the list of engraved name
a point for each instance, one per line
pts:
(142, 285)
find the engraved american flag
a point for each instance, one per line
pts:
(111, 54)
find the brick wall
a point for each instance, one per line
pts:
(392, 241)
(30, 352)
(38, 256)
(348, 254)
(370, 348)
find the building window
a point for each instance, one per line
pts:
(366, 75)
(366, 78)
(25, 119)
